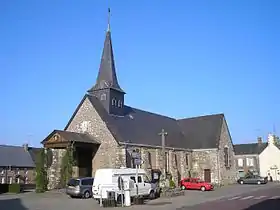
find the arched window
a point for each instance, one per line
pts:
(187, 160)
(114, 102)
(226, 154)
(119, 103)
(103, 97)
(149, 159)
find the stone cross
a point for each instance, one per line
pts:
(163, 134)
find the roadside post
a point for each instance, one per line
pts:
(137, 162)
(127, 199)
(120, 185)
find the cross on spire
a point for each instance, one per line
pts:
(109, 17)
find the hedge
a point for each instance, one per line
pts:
(11, 188)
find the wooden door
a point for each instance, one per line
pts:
(207, 175)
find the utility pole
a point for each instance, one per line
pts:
(163, 134)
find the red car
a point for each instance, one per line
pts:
(195, 184)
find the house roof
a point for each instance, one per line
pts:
(249, 149)
(15, 156)
(34, 153)
(202, 132)
(72, 137)
(143, 128)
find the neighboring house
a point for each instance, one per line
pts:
(104, 131)
(247, 157)
(262, 158)
(270, 159)
(17, 164)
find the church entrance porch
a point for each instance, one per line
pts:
(84, 154)
(59, 145)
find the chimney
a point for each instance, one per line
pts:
(259, 140)
(25, 146)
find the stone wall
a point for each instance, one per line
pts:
(109, 153)
(185, 163)
(152, 159)
(214, 159)
(205, 159)
(228, 175)
(54, 169)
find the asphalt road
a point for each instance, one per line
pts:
(192, 200)
(256, 200)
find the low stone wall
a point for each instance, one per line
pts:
(172, 192)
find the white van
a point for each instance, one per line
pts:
(107, 180)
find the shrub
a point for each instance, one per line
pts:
(4, 188)
(172, 184)
(14, 188)
(41, 173)
(67, 166)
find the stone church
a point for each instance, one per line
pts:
(104, 131)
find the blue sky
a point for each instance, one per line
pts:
(178, 58)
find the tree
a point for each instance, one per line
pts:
(277, 140)
(41, 173)
(67, 166)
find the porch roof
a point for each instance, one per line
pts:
(59, 136)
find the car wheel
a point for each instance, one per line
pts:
(202, 188)
(241, 182)
(152, 195)
(86, 194)
(259, 182)
(183, 187)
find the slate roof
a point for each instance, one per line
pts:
(34, 152)
(142, 127)
(249, 149)
(15, 156)
(73, 136)
(202, 132)
(107, 77)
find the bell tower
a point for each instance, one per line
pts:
(107, 88)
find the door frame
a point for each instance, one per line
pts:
(208, 171)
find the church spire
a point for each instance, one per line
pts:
(107, 77)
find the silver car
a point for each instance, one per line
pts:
(80, 187)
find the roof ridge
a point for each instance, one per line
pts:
(8, 145)
(250, 143)
(150, 112)
(201, 116)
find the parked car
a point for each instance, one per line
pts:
(195, 184)
(252, 179)
(80, 187)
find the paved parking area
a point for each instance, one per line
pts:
(45, 201)
(58, 200)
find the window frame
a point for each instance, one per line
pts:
(240, 160)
